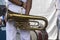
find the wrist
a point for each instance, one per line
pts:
(21, 3)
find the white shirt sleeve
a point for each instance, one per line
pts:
(24, 1)
(15, 8)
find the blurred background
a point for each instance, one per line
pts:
(2, 21)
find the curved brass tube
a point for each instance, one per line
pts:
(16, 16)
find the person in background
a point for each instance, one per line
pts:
(2, 12)
(0, 22)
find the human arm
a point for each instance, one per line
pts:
(27, 6)
(17, 2)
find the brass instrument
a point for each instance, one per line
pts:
(18, 17)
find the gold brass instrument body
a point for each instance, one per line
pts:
(18, 17)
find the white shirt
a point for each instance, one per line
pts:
(58, 4)
(47, 9)
(15, 8)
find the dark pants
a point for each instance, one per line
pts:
(2, 35)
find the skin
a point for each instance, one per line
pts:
(17, 2)
(26, 5)
(0, 22)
